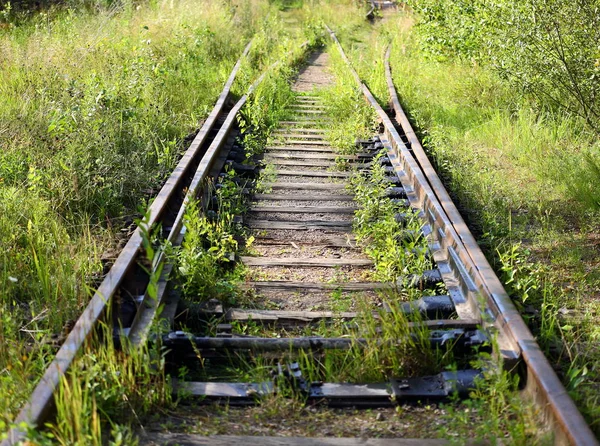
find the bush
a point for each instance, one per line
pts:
(547, 48)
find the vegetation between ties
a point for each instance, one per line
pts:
(56, 171)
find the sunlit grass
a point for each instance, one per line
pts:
(95, 106)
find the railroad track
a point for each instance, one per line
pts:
(307, 274)
(124, 291)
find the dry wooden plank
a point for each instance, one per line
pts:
(300, 148)
(336, 241)
(306, 209)
(173, 439)
(298, 163)
(307, 118)
(305, 111)
(338, 226)
(307, 262)
(310, 106)
(236, 314)
(306, 186)
(301, 131)
(305, 142)
(318, 286)
(300, 122)
(294, 112)
(313, 173)
(286, 197)
(292, 135)
(316, 156)
(285, 317)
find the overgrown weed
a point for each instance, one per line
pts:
(523, 179)
(96, 107)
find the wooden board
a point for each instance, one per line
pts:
(300, 148)
(300, 118)
(307, 262)
(306, 186)
(305, 209)
(304, 105)
(301, 130)
(313, 173)
(301, 122)
(336, 226)
(337, 241)
(305, 111)
(285, 317)
(305, 142)
(316, 156)
(290, 197)
(288, 135)
(318, 286)
(172, 439)
(263, 316)
(304, 163)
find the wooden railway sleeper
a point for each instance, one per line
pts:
(396, 391)
(426, 388)
(438, 307)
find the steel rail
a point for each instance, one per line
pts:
(545, 384)
(39, 404)
(465, 256)
(371, 13)
(143, 321)
(148, 309)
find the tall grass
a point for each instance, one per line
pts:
(526, 181)
(127, 86)
(107, 394)
(95, 105)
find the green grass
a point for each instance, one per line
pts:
(525, 182)
(96, 105)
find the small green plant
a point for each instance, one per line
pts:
(393, 243)
(107, 387)
(93, 123)
(205, 256)
(523, 279)
(494, 411)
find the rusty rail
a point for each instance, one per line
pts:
(37, 408)
(185, 183)
(457, 247)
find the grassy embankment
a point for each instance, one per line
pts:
(523, 175)
(96, 108)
